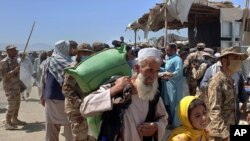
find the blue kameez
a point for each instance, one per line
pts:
(173, 88)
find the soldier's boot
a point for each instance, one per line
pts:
(8, 125)
(16, 121)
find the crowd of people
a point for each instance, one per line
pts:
(174, 94)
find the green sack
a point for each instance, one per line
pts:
(97, 69)
(94, 123)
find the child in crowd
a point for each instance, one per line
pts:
(192, 113)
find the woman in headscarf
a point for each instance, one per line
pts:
(192, 113)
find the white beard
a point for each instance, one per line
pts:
(145, 92)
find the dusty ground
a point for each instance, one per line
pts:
(30, 111)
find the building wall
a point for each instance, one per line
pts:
(209, 33)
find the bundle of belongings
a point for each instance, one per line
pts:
(94, 72)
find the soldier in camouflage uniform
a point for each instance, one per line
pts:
(193, 61)
(9, 71)
(222, 96)
(198, 73)
(73, 97)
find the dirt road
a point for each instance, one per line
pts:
(32, 112)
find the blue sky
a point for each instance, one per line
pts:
(80, 20)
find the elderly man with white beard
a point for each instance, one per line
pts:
(134, 124)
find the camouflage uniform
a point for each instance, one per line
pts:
(11, 87)
(198, 74)
(193, 59)
(222, 100)
(73, 97)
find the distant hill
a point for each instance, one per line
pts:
(31, 47)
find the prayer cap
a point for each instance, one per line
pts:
(149, 52)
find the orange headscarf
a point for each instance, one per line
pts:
(186, 129)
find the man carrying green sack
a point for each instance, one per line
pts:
(73, 97)
(96, 70)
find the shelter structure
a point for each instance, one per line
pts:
(217, 24)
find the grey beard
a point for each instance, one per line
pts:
(145, 92)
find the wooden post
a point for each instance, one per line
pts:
(166, 25)
(135, 31)
(245, 15)
(247, 5)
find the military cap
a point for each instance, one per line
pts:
(85, 47)
(201, 45)
(98, 46)
(209, 50)
(208, 54)
(233, 51)
(10, 47)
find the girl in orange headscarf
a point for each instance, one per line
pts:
(192, 113)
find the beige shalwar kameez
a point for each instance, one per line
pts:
(135, 115)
